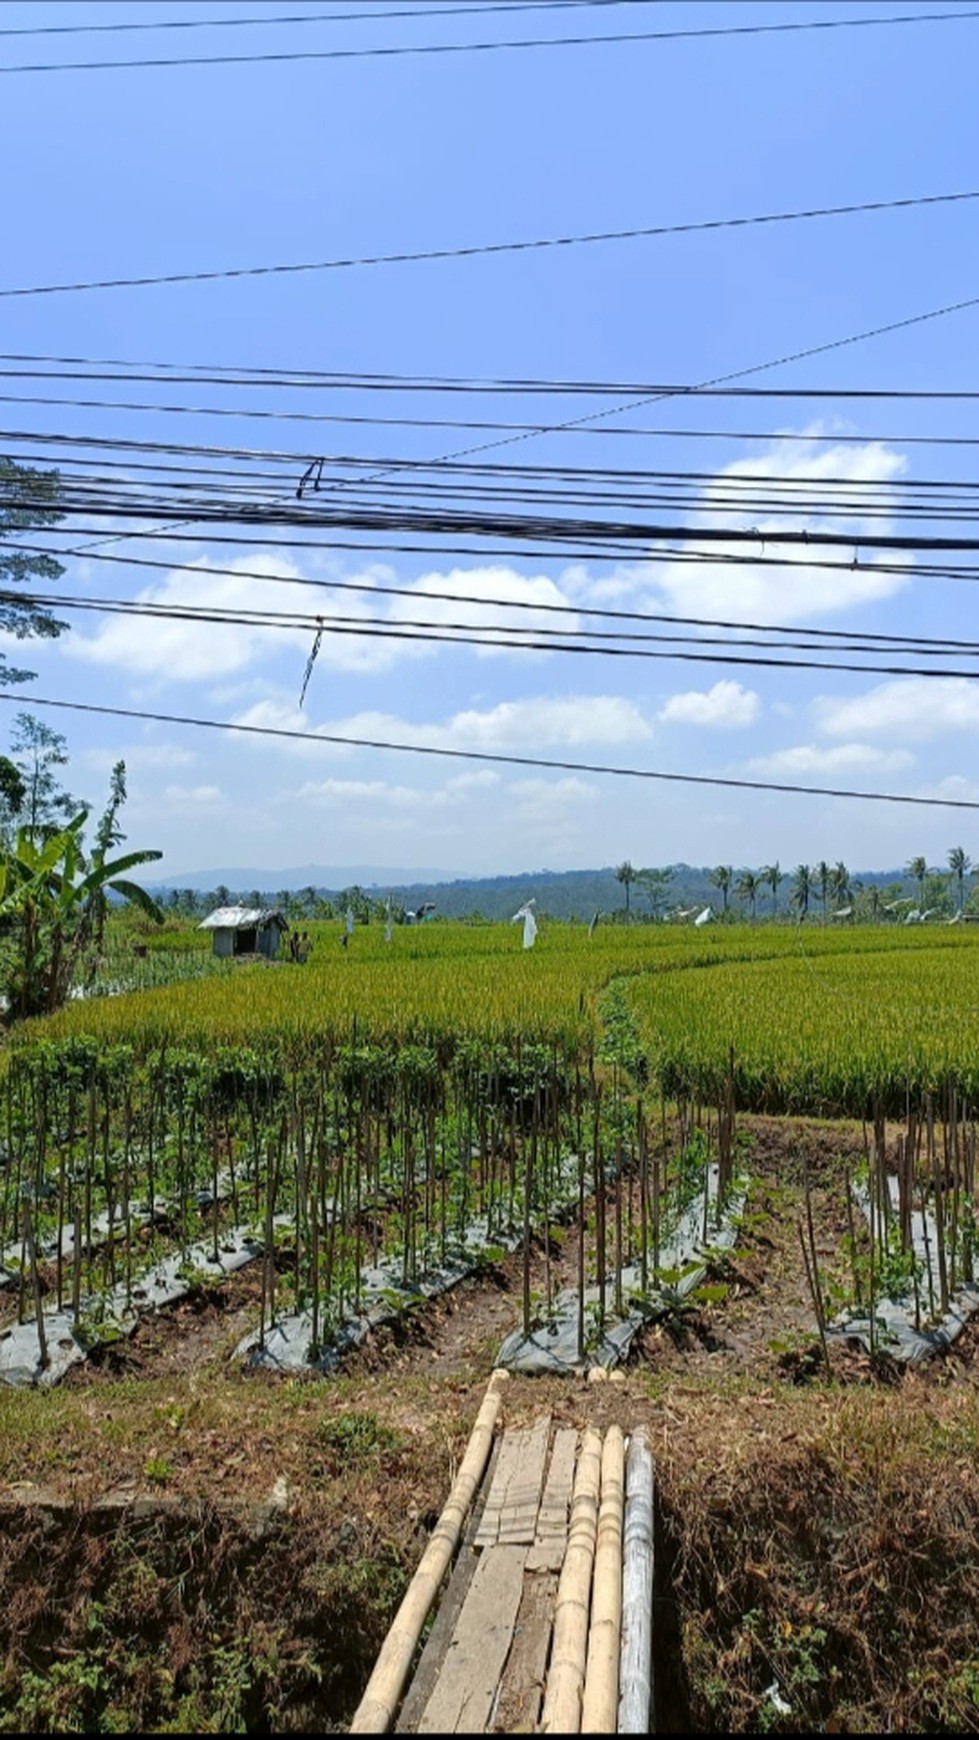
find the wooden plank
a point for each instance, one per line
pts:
(463, 1697)
(521, 1693)
(429, 1666)
(489, 1528)
(518, 1520)
(551, 1538)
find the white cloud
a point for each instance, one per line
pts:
(140, 758)
(558, 793)
(185, 651)
(474, 587)
(519, 727)
(181, 796)
(789, 588)
(366, 791)
(727, 706)
(956, 787)
(810, 758)
(379, 792)
(911, 709)
(483, 780)
(176, 650)
(529, 725)
(550, 815)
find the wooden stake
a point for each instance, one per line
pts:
(42, 1340)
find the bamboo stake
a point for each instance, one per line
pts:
(42, 1340)
(562, 1702)
(636, 1662)
(812, 1278)
(375, 1712)
(600, 1701)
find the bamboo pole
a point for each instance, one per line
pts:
(376, 1709)
(636, 1660)
(562, 1702)
(600, 1702)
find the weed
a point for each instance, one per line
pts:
(356, 1441)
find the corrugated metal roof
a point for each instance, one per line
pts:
(242, 918)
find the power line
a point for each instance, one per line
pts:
(300, 459)
(723, 380)
(446, 11)
(465, 479)
(502, 637)
(158, 374)
(388, 52)
(352, 515)
(536, 244)
(546, 607)
(496, 757)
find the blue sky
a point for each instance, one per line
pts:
(133, 172)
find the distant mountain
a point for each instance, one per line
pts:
(307, 876)
(559, 893)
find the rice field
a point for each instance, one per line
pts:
(392, 1112)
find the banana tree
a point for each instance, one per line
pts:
(52, 904)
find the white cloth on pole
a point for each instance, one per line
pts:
(529, 924)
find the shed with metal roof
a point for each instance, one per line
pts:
(245, 930)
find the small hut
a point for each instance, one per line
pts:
(246, 930)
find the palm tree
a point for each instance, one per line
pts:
(802, 885)
(918, 869)
(747, 889)
(960, 865)
(839, 883)
(627, 876)
(773, 876)
(873, 903)
(823, 876)
(721, 878)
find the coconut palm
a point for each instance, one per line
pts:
(747, 888)
(918, 869)
(960, 865)
(802, 887)
(721, 879)
(839, 883)
(627, 876)
(773, 875)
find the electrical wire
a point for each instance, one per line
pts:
(473, 8)
(299, 460)
(391, 51)
(494, 757)
(834, 639)
(69, 369)
(494, 637)
(351, 515)
(534, 245)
